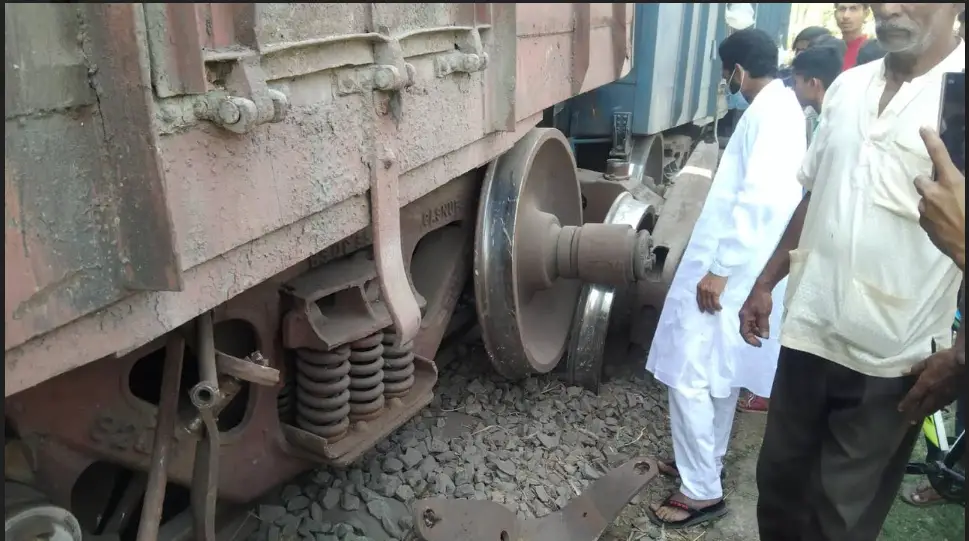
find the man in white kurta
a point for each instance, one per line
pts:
(697, 351)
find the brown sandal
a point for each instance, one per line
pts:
(693, 517)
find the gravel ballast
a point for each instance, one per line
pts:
(530, 445)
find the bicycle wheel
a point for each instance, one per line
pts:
(948, 477)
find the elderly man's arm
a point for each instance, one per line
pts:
(942, 209)
(942, 212)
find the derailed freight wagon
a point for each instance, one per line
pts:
(236, 235)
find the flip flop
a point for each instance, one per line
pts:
(695, 516)
(669, 469)
(909, 498)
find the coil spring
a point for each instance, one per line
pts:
(366, 378)
(286, 398)
(398, 366)
(322, 395)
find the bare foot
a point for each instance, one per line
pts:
(674, 514)
(668, 468)
(924, 495)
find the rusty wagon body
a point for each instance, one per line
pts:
(207, 202)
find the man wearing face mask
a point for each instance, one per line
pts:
(696, 351)
(738, 17)
(869, 299)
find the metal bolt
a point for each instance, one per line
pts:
(470, 63)
(257, 358)
(201, 108)
(384, 77)
(430, 518)
(229, 112)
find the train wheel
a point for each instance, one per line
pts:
(590, 325)
(646, 163)
(524, 320)
(28, 515)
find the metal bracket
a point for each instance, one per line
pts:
(391, 73)
(470, 56)
(584, 519)
(621, 135)
(385, 188)
(388, 254)
(248, 102)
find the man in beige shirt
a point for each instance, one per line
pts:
(869, 296)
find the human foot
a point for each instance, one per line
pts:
(678, 511)
(751, 403)
(922, 496)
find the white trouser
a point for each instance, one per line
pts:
(701, 426)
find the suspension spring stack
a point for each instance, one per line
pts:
(286, 398)
(322, 392)
(366, 378)
(398, 366)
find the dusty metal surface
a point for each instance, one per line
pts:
(288, 189)
(584, 518)
(385, 211)
(108, 422)
(587, 336)
(92, 226)
(29, 515)
(674, 226)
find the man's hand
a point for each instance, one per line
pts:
(755, 315)
(942, 208)
(939, 383)
(708, 293)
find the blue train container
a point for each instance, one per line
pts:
(774, 19)
(671, 97)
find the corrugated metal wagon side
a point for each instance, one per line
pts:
(670, 99)
(133, 205)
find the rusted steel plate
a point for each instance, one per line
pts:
(87, 220)
(585, 518)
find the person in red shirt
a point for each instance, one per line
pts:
(851, 20)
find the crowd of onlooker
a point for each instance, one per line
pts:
(819, 281)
